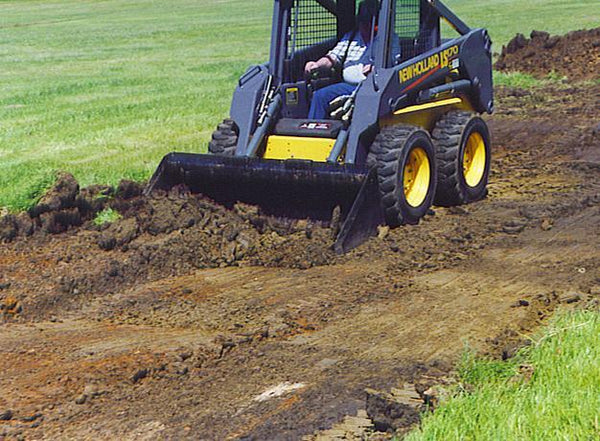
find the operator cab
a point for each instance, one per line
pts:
(314, 28)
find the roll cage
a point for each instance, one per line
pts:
(306, 29)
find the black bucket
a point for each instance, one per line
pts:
(293, 189)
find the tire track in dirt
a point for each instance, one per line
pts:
(182, 351)
(383, 342)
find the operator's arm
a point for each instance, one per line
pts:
(332, 58)
(321, 62)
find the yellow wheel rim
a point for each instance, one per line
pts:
(474, 159)
(417, 177)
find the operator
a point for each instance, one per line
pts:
(355, 60)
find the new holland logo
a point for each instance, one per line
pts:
(432, 63)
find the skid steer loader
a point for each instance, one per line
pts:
(409, 136)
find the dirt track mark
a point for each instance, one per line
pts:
(203, 343)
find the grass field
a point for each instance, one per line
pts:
(105, 89)
(549, 391)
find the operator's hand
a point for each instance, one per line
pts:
(367, 68)
(310, 66)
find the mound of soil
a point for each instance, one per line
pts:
(166, 234)
(176, 228)
(64, 206)
(179, 228)
(575, 55)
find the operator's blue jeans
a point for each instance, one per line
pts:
(322, 98)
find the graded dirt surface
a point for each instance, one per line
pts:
(185, 321)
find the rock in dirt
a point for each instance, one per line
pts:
(382, 232)
(140, 374)
(92, 390)
(6, 415)
(547, 224)
(595, 290)
(520, 303)
(278, 391)
(89, 391)
(514, 226)
(394, 410)
(570, 298)
(433, 395)
(458, 210)
(31, 418)
(183, 356)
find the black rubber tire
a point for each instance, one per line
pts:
(392, 147)
(450, 136)
(224, 139)
(371, 159)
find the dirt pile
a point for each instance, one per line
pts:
(575, 55)
(176, 228)
(64, 206)
(156, 236)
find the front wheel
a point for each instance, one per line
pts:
(463, 153)
(406, 173)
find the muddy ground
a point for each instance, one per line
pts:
(186, 321)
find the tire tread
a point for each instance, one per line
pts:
(224, 139)
(385, 151)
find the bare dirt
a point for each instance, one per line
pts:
(575, 55)
(186, 321)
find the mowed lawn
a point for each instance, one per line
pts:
(103, 89)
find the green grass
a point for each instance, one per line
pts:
(516, 79)
(523, 80)
(103, 89)
(561, 401)
(107, 216)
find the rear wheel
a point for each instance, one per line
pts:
(224, 139)
(406, 173)
(463, 153)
